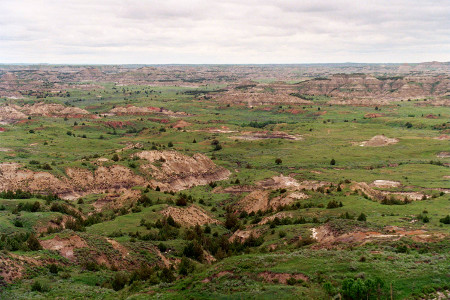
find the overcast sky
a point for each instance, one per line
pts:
(223, 31)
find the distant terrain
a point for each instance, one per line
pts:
(319, 181)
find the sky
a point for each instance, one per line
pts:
(223, 31)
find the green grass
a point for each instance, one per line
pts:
(335, 134)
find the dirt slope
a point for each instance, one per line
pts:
(326, 236)
(262, 200)
(9, 114)
(174, 171)
(65, 246)
(79, 181)
(190, 216)
(50, 109)
(177, 172)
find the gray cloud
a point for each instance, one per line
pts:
(232, 31)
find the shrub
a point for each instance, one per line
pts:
(18, 223)
(402, 249)
(362, 217)
(332, 162)
(33, 243)
(166, 275)
(305, 241)
(144, 272)
(115, 157)
(445, 220)
(46, 166)
(278, 161)
(37, 286)
(231, 221)
(53, 269)
(291, 281)
(193, 250)
(333, 204)
(181, 201)
(212, 184)
(162, 247)
(346, 216)
(119, 281)
(186, 266)
(329, 288)
(243, 214)
(91, 266)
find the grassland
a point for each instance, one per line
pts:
(408, 267)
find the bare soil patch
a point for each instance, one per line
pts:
(14, 177)
(281, 277)
(243, 235)
(371, 116)
(325, 236)
(181, 124)
(135, 110)
(222, 129)
(255, 94)
(218, 275)
(11, 270)
(171, 171)
(443, 137)
(443, 154)
(114, 177)
(78, 183)
(280, 215)
(9, 115)
(65, 246)
(262, 200)
(262, 135)
(296, 111)
(289, 183)
(236, 189)
(119, 247)
(190, 216)
(378, 195)
(385, 184)
(52, 110)
(131, 146)
(279, 182)
(117, 199)
(431, 116)
(379, 141)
